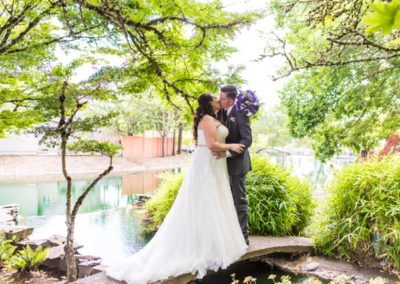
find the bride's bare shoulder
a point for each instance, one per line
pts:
(207, 119)
(208, 122)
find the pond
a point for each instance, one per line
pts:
(107, 225)
(306, 166)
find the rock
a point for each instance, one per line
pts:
(97, 278)
(85, 271)
(91, 263)
(88, 268)
(100, 268)
(9, 214)
(310, 266)
(87, 258)
(18, 232)
(55, 258)
(34, 244)
(57, 240)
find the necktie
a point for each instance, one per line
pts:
(225, 115)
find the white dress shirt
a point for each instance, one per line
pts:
(228, 111)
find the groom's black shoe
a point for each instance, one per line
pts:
(247, 242)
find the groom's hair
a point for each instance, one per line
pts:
(230, 91)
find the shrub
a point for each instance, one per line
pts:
(7, 249)
(278, 203)
(158, 207)
(361, 219)
(28, 259)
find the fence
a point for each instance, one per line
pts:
(139, 147)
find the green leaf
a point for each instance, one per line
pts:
(384, 16)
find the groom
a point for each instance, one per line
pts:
(238, 164)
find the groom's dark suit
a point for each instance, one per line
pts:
(238, 164)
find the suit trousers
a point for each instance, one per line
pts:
(238, 187)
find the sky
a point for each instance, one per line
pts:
(250, 43)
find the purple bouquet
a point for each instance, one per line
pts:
(248, 102)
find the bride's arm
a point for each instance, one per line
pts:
(209, 126)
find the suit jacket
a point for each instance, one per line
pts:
(239, 128)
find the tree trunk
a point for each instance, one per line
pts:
(163, 145)
(180, 139)
(72, 269)
(173, 141)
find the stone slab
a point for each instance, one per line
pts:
(329, 269)
(259, 246)
(18, 232)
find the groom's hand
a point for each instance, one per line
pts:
(219, 155)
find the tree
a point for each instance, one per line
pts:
(30, 30)
(271, 129)
(67, 124)
(167, 45)
(344, 92)
(145, 112)
(384, 16)
(173, 42)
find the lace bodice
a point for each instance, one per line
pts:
(222, 132)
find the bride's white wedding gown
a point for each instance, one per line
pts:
(200, 232)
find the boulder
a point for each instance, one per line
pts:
(19, 233)
(55, 258)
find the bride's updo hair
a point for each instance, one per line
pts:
(205, 107)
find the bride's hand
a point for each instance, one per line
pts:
(238, 148)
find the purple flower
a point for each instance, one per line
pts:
(248, 102)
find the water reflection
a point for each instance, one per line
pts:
(304, 165)
(106, 225)
(49, 198)
(111, 234)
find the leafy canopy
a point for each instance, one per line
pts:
(343, 88)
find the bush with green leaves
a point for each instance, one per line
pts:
(158, 207)
(28, 259)
(7, 249)
(361, 219)
(279, 204)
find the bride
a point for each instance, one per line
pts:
(201, 231)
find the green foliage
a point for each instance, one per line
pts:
(94, 146)
(28, 259)
(271, 129)
(335, 114)
(279, 204)
(7, 249)
(364, 204)
(169, 47)
(159, 206)
(345, 89)
(142, 112)
(383, 16)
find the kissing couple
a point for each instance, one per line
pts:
(206, 227)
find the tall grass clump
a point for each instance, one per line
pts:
(360, 221)
(279, 204)
(158, 207)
